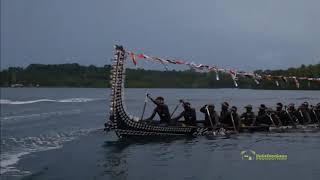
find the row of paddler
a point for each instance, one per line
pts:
(230, 119)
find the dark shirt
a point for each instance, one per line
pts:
(293, 115)
(226, 120)
(261, 112)
(213, 115)
(189, 117)
(317, 115)
(268, 119)
(303, 116)
(236, 120)
(263, 119)
(248, 118)
(224, 116)
(284, 117)
(313, 116)
(163, 111)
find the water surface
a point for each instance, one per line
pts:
(55, 133)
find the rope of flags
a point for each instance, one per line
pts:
(211, 68)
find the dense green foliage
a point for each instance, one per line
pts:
(75, 75)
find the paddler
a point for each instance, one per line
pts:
(274, 119)
(224, 114)
(229, 119)
(248, 117)
(189, 115)
(309, 114)
(266, 117)
(162, 110)
(283, 115)
(262, 118)
(292, 112)
(211, 116)
(315, 113)
(235, 118)
(303, 114)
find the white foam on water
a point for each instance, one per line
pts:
(7, 160)
(78, 100)
(70, 100)
(42, 115)
(13, 149)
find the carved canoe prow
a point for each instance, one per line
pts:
(119, 120)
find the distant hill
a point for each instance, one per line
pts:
(75, 75)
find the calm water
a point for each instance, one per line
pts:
(56, 134)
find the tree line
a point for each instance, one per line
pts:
(75, 75)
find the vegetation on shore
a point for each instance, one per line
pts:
(75, 75)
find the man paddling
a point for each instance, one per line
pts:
(162, 110)
(248, 117)
(211, 116)
(303, 114)
(266, 116)
(292, 112)
(262, 118)
(189, 115)
(224, 114)
(316, 111)
(235, 119)
(229, 119)
(283, 115)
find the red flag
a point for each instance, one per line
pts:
(180, 62)
(142, 56)
(133, 58)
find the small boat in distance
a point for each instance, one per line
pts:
(126, 125)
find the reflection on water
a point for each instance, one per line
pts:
(194, 158)
(114, 164)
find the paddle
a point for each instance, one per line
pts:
(315, 114)
(271, 119)
(145, 105)
(303, 120)
(175, 109)
(293, 123)
(210, 117)
(233, 123)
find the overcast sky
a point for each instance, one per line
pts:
(243, 34)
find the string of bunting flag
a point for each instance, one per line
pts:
(234, 74)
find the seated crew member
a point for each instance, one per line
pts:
(308, 113)
(224, 114)
(266, 117)
(230, 118)
(162, 110)
(262, 117)
(313, 114)
(282, 115)
(273, 117)
(316, 111)
(248, 117)
(235, 117)
(211, 117)
(189, 115)
(292, 112)
(303, 114)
